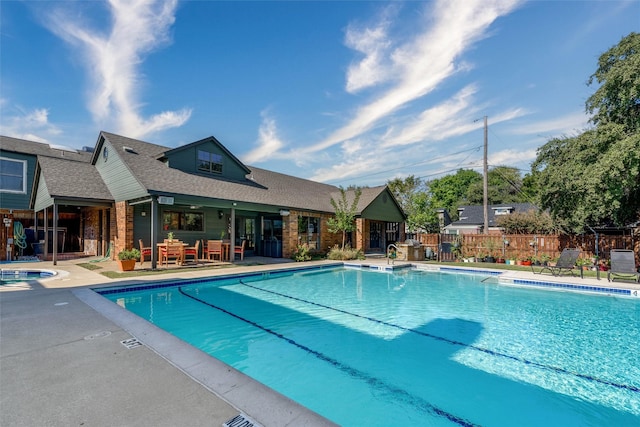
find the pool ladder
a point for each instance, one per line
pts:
(392, 255)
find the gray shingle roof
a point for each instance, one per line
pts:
(265, 187)
(71, 179)
(474, 214)
(40, 149)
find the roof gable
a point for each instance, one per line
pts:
(188, 158)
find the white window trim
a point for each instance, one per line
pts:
(24, 176)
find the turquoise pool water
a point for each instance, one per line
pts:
(9, 276)
(421, 348)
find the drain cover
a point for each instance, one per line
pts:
(131, 343)
(241, 420)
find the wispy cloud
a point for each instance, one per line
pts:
(269, 144)
(373, 42)
(420, 65)
(566, 125)
(113, 61)
(32, 125)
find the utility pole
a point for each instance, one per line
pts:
(485, 180)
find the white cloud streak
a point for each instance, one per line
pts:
(420, 65)
(374, 43)
(113, 60)
(566, 125)
(269, 144)
(26, 124)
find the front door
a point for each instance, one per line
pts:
(376, 236)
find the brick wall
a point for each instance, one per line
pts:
(122, 227)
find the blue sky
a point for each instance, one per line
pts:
(340, 92)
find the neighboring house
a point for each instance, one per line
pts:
(128, 190)
(471, 218)
(18, 159)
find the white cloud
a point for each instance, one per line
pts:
(113, 61)
(32, 125)
(512, 157)
(569, 124)
(373, 42)
(269, 144)
(422, 63)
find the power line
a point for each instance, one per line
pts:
(403, 167)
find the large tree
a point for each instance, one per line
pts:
(617, 100)
(594, 178)
(450, 191)
(504, 184)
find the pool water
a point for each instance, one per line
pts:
(421, 348)
(9, 276)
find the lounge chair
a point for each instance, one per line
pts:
(623, 264)
(565, 264)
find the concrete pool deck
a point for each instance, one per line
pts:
(69, 357)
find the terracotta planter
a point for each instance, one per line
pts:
(526, 262)
(127, 264)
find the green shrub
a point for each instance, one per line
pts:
(302, 253)
(126, 254)
(338, 254)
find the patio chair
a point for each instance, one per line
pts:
(144, 251)
(171, 251)
(239, 250)
(623, 265)
(214, 248)
(565, 264)
(192, 251)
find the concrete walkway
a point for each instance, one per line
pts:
(63, 361)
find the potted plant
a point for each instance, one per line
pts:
(491, 245)
(170, 236)
(127, 259)
(456, 248)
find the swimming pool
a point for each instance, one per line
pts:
(12, 275)
(426, 348)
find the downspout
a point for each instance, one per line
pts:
(154, 232)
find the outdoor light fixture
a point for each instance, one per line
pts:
(220, 214)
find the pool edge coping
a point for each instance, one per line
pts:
(242, 392)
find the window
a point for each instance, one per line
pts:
(186, 221)
(502, 211)
(309, 231)
(209, 162)
(13, 176)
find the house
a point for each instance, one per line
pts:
(471, 218)
(18, 160)
(126, 190)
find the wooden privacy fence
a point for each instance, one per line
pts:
(521, 246)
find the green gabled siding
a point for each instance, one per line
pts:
(43, 198)
(383, 208)
(19, 200)
(187, 161)
(117, 177)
